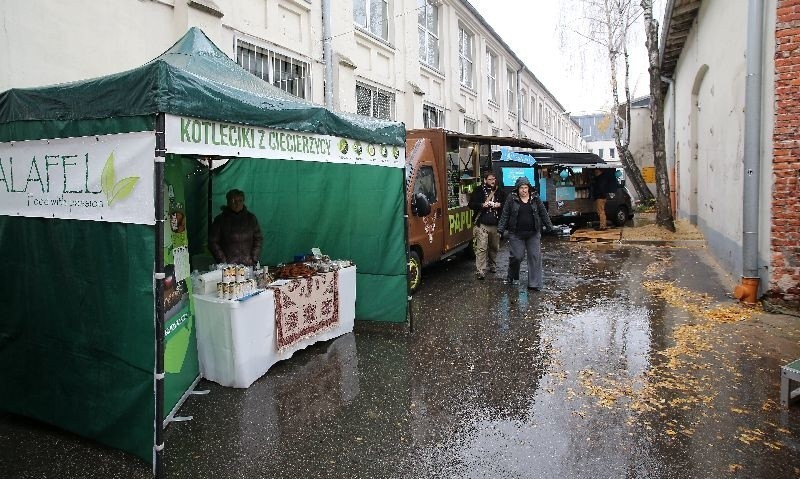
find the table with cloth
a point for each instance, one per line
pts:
(238, 341)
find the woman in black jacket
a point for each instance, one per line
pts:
(524, 216)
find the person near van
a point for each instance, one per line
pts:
(524, 217)
(604, 183)
(486, 202)
(235, 236)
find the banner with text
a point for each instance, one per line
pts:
(99, 178)
(204, 137)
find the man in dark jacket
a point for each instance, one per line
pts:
(605, 183)
(485, 203)
(235, 236)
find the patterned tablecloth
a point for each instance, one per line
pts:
(305, 307)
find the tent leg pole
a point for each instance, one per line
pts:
(160, 156)
(410, 312)
(209, 207)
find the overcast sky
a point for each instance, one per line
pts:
(576, 73)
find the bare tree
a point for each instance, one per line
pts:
(606, 24)
(664, 216)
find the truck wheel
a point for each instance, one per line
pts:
(414, 271)
(621, 216)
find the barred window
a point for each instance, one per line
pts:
(428, 27)
(374, 102)
(287, 73)
(469, 126)
(432, 117)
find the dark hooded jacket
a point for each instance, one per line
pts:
(487, 216)
(508, 218)
(235, 237)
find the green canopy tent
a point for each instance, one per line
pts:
(90, 170)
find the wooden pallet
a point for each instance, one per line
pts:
(611, 235)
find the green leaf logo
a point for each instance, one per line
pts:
(115, 190)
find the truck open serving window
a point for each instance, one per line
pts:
(462, 174)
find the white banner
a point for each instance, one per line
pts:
(99, 178)
(204, 137)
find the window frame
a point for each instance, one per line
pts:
(511, 91)
(267, 71)
(523, 103)
(474, 123)
(367, 26)
(373, 106)
(424, 33)
(438, 113)
(492, 64)
(468, 56)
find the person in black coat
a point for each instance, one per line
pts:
(524, 217)
(485, 202)
(605, 183)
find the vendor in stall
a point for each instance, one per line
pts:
(235, 236)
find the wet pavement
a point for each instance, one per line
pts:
(632, 362)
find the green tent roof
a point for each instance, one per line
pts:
(193, 78)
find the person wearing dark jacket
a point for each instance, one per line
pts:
(605, 182)
(235, 236)
(524, 217)
(485, 202)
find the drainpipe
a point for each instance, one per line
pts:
(519, 107)
(327, 52)
(747, 291)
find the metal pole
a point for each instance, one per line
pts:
(408, 249)
(160, 155)
(752, 139)
(210, 205)
(327, 52)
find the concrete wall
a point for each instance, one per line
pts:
(49, 42)
(641, 145)
(709, 92)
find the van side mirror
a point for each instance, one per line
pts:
(420, 206)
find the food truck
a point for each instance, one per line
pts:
(442, 169)
(565, 183)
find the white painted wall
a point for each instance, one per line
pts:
(47, 42)
(709, 93)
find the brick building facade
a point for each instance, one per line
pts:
(785, 228)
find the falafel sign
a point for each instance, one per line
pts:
(204, 137)
(99, 178)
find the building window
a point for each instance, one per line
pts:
(375, 102)
(432, 117)
(523, 104)
(495, 132)
(286, 73)
(428, 27)
(511, 90)
(541, 117)
(491, 75)
(465, 56)
(611, 152)
(600, 152)
(372, 16)
(469, 126)
(533, 109)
